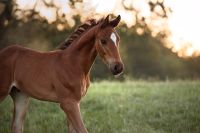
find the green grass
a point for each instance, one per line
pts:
(114, 107)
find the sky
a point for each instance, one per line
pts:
(183, 22)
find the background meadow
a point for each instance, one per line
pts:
(120, 107)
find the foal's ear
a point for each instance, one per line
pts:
(105, 22)
(115, 22)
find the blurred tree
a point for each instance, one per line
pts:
(142, 47)
(6, 8)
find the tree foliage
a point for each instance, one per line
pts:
(143, 53)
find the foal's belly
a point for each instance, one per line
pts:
(46, 93)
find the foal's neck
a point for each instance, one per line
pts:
(84, 50)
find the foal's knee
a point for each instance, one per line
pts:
(67, 106)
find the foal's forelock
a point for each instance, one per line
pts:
(78, 32)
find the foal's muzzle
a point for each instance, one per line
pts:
(116, 68)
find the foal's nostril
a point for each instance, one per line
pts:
(116, 68)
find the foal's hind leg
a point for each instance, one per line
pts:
(20, 100)
(2, 96)
(5, 83)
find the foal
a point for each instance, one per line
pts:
(60, 76)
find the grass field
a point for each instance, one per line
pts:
(114, 107)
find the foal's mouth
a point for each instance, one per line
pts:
(118, 75)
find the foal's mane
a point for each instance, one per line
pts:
(79, 31)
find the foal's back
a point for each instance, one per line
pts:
(15, 57)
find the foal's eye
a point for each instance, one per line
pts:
(103, 41)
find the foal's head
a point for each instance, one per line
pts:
(107, 45)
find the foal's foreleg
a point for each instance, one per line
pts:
(20, 100)
(70, 127)
(72, 110)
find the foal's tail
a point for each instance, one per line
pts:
(7, 61)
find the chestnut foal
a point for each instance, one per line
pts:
(62, 75)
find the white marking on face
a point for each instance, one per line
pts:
(113, 38)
